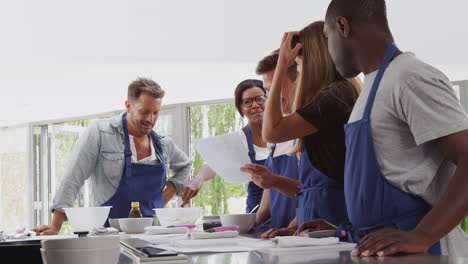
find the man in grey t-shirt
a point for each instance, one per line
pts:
(418, 129)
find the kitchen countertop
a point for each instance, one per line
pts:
(326, 257)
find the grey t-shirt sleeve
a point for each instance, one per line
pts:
(428, 104)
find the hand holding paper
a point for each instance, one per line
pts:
(225, 154)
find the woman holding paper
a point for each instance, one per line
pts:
(250, 98)
(323, 103)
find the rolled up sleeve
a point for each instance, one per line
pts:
(179, 164)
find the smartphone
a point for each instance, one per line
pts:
(158, 252)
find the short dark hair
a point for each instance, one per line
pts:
(144, 85)
(361, 11)
(241, 87)
(269, 63)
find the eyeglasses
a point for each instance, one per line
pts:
(247, 102)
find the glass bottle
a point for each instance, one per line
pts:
(155, 220)
(135, 211)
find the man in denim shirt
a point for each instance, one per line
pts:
(125, 161)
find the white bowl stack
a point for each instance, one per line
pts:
(89, 250)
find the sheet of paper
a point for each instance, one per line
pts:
(42, 238)
(225, 154)
(238, 244)
(342, 246)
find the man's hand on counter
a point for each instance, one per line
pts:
(168, 193)
(54, 228)
(46, 230)
(390, 241)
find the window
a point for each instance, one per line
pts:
(53, 145)
(15, 181)
(216, 196)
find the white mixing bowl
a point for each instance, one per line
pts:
(87, 218)
(179, 216)
(244, 221)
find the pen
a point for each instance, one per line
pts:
(222, 229)
(323, 233)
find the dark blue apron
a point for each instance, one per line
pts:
(320, 196)
(282, 207)
(373, 203)
(254, 192)
(140, 183)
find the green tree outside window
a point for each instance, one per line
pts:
(213, 120)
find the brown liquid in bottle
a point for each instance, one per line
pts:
(135, 211)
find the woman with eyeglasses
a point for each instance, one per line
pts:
(250, 98)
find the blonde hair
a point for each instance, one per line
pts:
(318, 70)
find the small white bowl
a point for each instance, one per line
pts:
(79, 243)
(114, 222)
(87, 218)
(244, 221)
(135, 225)
(81, 256)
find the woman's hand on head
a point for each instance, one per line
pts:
(288, 54)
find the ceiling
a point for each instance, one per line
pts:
(70, 58)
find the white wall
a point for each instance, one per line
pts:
(68, 58)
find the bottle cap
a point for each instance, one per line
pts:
(135, 204)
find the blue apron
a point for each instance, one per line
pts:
(254, 192)
(282, 207)
(320, 196)
(373, 203)
(140, 183)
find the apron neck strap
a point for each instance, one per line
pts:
(127, 150)
(248, 135)
(389, 53)
(272, 149)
